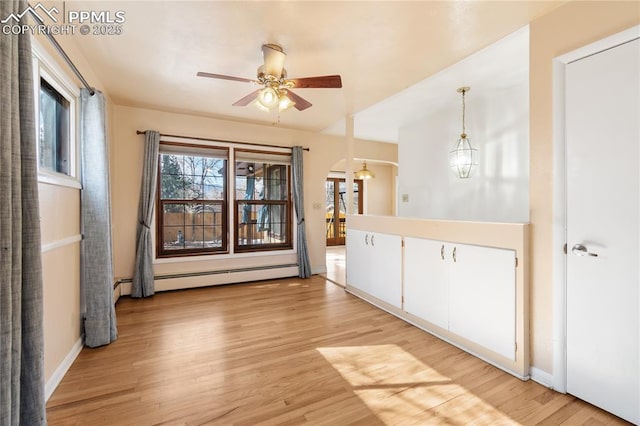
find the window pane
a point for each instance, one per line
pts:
(54, 129)
(357, 184)
(330, 211)
(261, 181)
(192, 226)
(173, 230)
(342, 199)
(261, 224)
(190, 177)
(193, 195)
(262, 192)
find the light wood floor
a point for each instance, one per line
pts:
(336, 266)
(291, 352)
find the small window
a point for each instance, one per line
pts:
(54, 130)
(263, 213)
(192, 202)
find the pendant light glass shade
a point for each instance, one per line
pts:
(284, 103)
(364, 173)
(268, 97)
(271, 99)
(463, 159)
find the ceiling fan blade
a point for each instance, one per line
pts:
(247, 99)
(322, 82)
(300, 103)
(273, 59)
(225, 77)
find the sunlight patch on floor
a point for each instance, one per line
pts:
(267, 285)
(400, 389)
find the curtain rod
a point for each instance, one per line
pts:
(140, 132)
(62, 53)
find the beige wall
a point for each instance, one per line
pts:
(567, 28)
(60, 221)
(380, 192)
(324, 152)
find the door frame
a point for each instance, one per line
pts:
(357, 183)
(559, 279)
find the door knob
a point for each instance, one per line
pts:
(580, 250)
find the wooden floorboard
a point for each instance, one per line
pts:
(289, 352)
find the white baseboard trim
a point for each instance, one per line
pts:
(542, 377)
(223, 277)
(62, 369)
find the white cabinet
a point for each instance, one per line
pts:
(426, 280)
(374, 265)
(467, 290)
(482, 297)
(357, 254)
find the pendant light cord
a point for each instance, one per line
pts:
(464, 130)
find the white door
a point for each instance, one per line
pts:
(602, 138)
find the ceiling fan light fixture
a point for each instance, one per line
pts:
(285, 103)
(273, 93)
(268, 98)
(364, 173)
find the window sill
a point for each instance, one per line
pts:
(209, 257)
(58, 179)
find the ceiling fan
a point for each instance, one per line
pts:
(275, 92)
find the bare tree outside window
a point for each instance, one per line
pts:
(192, 200)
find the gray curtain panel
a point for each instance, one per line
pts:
(96, 255)
(21, 323)
(142, 285)
(304, 266)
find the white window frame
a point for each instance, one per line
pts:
(44, 66)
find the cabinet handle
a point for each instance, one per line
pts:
(442, 252)
(366, 239)
(454, 254)
(372, 241)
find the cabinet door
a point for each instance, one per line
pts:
(386, 268)
(357, 263)
(482, 296)
(426, 280)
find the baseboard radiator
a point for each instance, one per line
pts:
(178, 281)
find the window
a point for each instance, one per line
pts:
(192, 196)
(56, 98)
(263, 201)
(193, 214)
(54, 129)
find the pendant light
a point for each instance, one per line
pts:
(364, 173)
(464, 158)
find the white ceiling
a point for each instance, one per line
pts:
(503, 64)
(379, 48)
